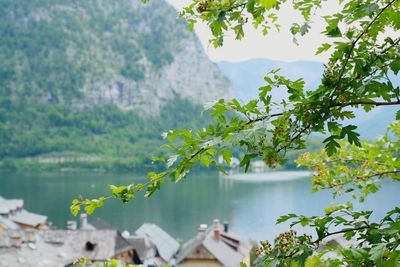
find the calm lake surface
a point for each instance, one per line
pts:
(251, 207)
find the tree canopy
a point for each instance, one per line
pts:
(364, 58)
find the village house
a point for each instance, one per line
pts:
(12, 213)
(26, 240)
(155, 246)
(26, 247)
(214, 246)
(58, 248)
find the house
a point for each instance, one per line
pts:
(144, 249)
(26, 247)
(156, 246)
(59, 248)
(214, 247)
(124, 250)
(12, 213)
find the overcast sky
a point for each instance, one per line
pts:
(277, 46)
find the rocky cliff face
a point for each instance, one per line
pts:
(90, 52)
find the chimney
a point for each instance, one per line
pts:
(217, 230)
(201, 232)
(30, 235)
(226, 226)
(84, 221)
(16, 240)
(71, 225)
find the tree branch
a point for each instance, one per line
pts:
(340, 232)
(361, 102)
(348, 56)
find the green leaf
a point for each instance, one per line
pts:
(331, 145)
(376, 254)
(246, 161)
(352, 136)
(227, 156)
(75, 208)
(395, 66)
(205, 160)
(324, 47)
(250, 6)
(286, 217)
(268, 4)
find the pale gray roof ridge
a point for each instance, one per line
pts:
(188, 247)
(9, 205)
(166, 245)
(28, 218)
(223, 252)
(145, 249)
(8, 224)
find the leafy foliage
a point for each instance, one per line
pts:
(364, 51)
(35, 136)
(376, 243)
(356, 170)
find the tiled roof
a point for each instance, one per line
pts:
(145, 249)
(121, 244)
(58, 248)
(28, 218)
(8, 224)
(226, 252)
(9, 205)
(165, 244)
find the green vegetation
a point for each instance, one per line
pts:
(102, 137)
(364, 52)
(51, 50)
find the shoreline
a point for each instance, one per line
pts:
(273, 176)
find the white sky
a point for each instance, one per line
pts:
(276, 46)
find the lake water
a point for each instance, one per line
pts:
(250, 206)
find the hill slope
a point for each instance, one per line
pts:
(93, 84)
(103, 52)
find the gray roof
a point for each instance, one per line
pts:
(165, 244)
(188, 247)
(9, 205)
(223, 252)
(226, 252)
(121, 244)
(28, 218)
(58, 248)
(145, 249)
(8, 224)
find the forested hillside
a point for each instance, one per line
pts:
(120, 52)
(93, 84)
(102, 137)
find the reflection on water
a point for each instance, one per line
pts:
(250, 207)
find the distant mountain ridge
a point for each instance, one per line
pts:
(98, 52)
(247, 77)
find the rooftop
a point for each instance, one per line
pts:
(166, 245)
(229, 250)
(57, 248)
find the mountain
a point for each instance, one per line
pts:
(92, 84)
(247, 77)
(97, 52)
